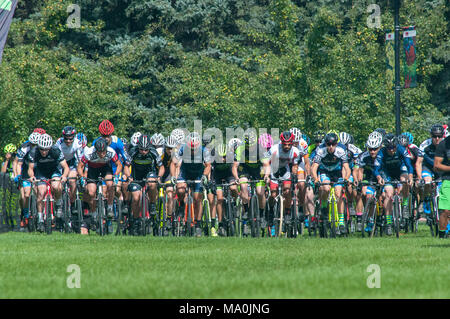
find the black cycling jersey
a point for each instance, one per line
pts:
(368, 164)
(142, 164)
(46, 166)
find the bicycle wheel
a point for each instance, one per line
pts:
(76, 224)
(229, 218)
(101, 216)
(396, 217)
(66, 212)
(144, 224)
(254, 217)
(32, 208)
(332, 211)
(48, 216)
(294, 219)
(206, 218)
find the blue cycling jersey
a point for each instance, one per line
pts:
(392, 164)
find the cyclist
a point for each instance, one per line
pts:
(72, 150)
(393, 163)
(10, 154)
(222, 172)
(44, 164)
(281, 162)
(20, 168)
(194, 163)
(364, 171)
(157, 140)
(331, 163)
(318, 140)
(169, 148)
(178, 135)
(145, 162)
(247, 167)
(265, 141)
(106, 128)
(135, 139)
(98, 159)
(425, 164)
(442, 165)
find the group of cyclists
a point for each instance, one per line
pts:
(301, 168)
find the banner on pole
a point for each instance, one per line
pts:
(390, 60)
(7, 8)
(409, 65)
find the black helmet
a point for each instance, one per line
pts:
(331, 138)
(390, 140)
(100, 145)
(144, 142)
(69, 131)
(319, 136)
(382, 131)
(437, 129)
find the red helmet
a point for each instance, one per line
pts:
(39, 130)
(287, 137)
(106, 127)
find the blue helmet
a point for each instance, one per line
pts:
(82, 138)
(409, 136)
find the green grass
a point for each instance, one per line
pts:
(35, 266)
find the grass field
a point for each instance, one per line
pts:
(35, 266)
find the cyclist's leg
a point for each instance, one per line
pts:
(152, 189)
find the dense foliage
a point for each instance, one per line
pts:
(160, 64)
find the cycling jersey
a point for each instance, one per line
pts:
(48, 166)
(329, 162)
(142, 164)
(393, 165)
(193, 165)
(443, 151)
(353, 153)
(92, 160)
(119, 148)
(366, 162)
(413, 153)
(281, 161)
(72, 153)
(428, 150)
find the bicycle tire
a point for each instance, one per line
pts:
(79, 214)
(48, 216)
(32, 208)
(254, 216)
(144, 212)
(333, 218)
(206, 219)
(100, 216)
(396, 216)
(294, 218)
(66, 212)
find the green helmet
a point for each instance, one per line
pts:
(10, 148)
(221, 149)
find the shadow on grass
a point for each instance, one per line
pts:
(437, 246)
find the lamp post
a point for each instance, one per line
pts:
(397, 65)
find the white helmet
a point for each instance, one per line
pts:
(178, 134)
(45, 142)
(34, 138)
(157, 139)
(375, 139)
(297, 134)
(171, 141)
(234, 143)
(345, 138)
(135, 138)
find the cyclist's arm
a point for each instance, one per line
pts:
(119, 167)
(419, 163)
(346, 171)
(314, 171)
(439, 166)
(161, 171)
(207, 169)
(307, 166)
(173, 167)
(5, 166)
(66, 168)
(126, 171)
(17, 168)
(234, 170)
(31, 170)
(80, 169)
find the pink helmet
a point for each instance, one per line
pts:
(265, 140)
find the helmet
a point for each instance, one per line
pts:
(193, 140)
(390, 140)
(306, 138)
(101, 145)
(437, 129)
(286, 137)
(331, 138)
(135, 138)
(171, 141)
(334, 132)
(319, 136)
(234, 143)
(206, 139)
(382, 131)
(221, 149)
(352, 139)
(403, 140)
(297, 134)
(251, 138)
(106, 127)
(375, 139)
(45, 141)
(39, 130)
(34, 137)
(344, 138)
(124, 140)
(178, 134)
(69, 131)
(265, 140)
(82, 138)
(157, 139)
(409, 136)
(10, 148)
(144, 142)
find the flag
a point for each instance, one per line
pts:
(390, 60)
(7, 8)
(409, 65)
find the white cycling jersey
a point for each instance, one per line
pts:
(91, 159)
(74, 151)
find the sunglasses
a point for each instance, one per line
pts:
(331, 144)
(68, 138)
(436, 136)
(106, 136)
(372, 149)
(44, 149)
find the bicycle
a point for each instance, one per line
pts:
(228, 210)
(328, 223)
(371, 210)
(184, 221)
(397, 213)
(99, 219)
(279, 209)
(48, 200)
(433, 217)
